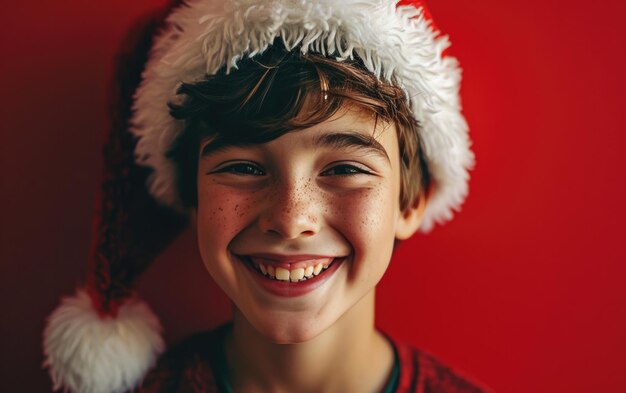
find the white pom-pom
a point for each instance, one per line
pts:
(88, 354)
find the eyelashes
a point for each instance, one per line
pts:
(252, 169)
(345, 170)
(241, 168)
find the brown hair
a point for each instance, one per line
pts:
(280, 91)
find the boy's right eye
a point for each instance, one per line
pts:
(241, 168)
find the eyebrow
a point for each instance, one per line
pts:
(336, 140)
(351, 139)
(216, 146)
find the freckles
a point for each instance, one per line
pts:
(242, 208)
(226, 215)
(364, 211)
(218, 218)
(372, 206)
(297, 198)
(312, 194)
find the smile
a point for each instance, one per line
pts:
(292, 272)
(291, 276)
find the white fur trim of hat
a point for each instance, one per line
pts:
(86, 353)
(394, 41)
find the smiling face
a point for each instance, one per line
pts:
(325, 195)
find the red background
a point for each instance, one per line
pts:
(524, 289)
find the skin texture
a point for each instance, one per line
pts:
(295, 196)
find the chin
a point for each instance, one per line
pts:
(289, 332)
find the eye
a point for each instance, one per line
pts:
(344, 170)
(241, 168)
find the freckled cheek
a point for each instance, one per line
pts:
(222, 213)
(366, 216)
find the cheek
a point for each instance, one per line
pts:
(222, 213)
(366, 217)
(366, 220)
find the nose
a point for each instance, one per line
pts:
(292, 211)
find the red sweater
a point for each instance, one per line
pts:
(198, 365)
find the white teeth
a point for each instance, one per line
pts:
(282, 274)
(271, 271)
(308, 272)
(296, 275)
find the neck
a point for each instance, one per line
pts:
(349, 356)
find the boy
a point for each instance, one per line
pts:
(302, 139)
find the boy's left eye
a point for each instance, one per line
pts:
(242, 168)
(344, 170)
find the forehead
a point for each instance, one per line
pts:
(349, 127)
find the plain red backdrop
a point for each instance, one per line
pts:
(524, 289)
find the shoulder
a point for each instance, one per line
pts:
(188, 366)
(422, 372)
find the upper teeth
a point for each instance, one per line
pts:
(299, 274)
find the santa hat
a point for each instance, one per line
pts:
(104, 339)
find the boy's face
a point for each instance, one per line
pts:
(328, 194)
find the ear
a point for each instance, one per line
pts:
(410, 220)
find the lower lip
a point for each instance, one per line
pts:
(293, 289)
